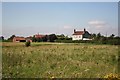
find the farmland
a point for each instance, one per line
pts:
(58, 60)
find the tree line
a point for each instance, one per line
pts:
(46, 38)
(112, 39)
(96, 38)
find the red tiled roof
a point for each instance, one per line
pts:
(19, 38)
(39, 36)
(30, 37)
(78, 33)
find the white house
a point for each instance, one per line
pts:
(81, 35)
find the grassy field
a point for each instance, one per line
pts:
(58, 60)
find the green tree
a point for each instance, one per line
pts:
(93, 36)
(111, 36)
(34, 39)
(104, 40)
(61, 37)
(1, 38)
(98, 36)
(11, 38)
(27, 44)
(38, 39)
(44, 39)
(52, 37)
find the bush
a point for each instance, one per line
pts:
(112, 76)
(27, 44)
(101, 41)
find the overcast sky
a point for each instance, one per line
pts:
(29, 18)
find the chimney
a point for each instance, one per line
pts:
(84, 29)
(74, 30)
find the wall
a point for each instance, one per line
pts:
(77, 37)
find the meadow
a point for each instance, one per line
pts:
(58, 60)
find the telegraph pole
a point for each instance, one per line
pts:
(106, 34)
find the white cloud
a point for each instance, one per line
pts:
(97, 23)
(96, 26)
(67, 27)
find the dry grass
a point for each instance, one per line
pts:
(55, 60)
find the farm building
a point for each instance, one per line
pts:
(81, 35)
(19, 39)
(29, 38)
(39, 36)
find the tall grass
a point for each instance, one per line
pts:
(46, 60)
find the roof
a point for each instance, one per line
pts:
(78, 33)
(30, 37)
(39, 36)
(19, 38)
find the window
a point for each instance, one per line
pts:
(80, 36)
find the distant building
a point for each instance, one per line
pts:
(22, 39)
(39, 36)
(29, 39)
(81, 35)
(19, 39)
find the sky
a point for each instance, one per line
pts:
(29, 18)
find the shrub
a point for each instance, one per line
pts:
(27, 44)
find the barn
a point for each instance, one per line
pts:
(19, 39)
